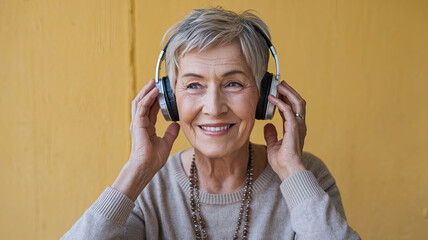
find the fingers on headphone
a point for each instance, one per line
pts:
(285, 84)
(143, 92)
(296, 101)
(286, 110)
(144, 106)
(154, 109)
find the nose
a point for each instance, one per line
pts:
(214, 102)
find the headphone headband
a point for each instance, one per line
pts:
(271, 48)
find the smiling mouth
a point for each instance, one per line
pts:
(216, 129)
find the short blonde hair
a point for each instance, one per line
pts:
(203, 28)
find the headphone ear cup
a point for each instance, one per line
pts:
(264, 93)
(170, 100)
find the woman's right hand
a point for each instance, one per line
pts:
(149, 152)
(148, 149)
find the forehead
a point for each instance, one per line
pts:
(217, 56)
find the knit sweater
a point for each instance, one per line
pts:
(306, 205)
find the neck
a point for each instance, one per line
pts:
(223, 174)
(231, 171)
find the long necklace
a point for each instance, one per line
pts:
(199, 224)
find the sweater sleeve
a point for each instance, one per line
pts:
(106, 219)
(315, 205)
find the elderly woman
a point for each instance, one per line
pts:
(223, 187)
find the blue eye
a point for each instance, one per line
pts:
(193, 86)
(234, 84)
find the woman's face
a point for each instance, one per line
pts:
(216, 98)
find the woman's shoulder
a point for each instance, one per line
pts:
(173, 166)
(168, 181)
(168, 176)
(310, 160)
(320, 170)
(313, 162)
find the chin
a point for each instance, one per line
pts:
(218, 149)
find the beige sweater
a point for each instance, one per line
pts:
(306, 205)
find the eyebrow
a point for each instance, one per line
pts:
(234, 72)
(192, 75)
(224, 75)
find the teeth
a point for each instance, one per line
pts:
(216, 129)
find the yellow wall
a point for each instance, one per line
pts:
(69, 69)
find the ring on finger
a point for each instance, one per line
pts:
(302, 116)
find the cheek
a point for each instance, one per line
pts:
(187, 108)
(246, 103)
(244, 107)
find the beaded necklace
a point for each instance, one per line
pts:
(197, 218)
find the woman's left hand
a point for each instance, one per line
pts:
(285, 155)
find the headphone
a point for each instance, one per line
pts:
(265, 109)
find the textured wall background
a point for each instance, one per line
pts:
(69, 69)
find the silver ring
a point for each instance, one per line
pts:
(302, 116)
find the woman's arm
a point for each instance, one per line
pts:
(149, 152)
(316, 212)
(315, 204)
(106, 218)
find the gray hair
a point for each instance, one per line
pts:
(203, 28)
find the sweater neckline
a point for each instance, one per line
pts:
(223, 198)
